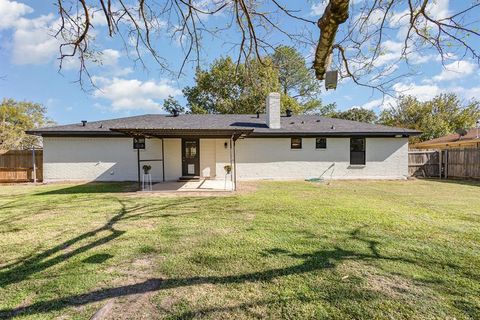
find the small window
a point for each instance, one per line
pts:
(357, 151)
(321, 143)
(296, 143)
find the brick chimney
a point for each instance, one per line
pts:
(273, 110)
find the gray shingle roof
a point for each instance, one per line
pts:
(294, 125)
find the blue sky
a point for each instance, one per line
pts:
(29, 68)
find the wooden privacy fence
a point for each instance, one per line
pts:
(18, 165)
(424, 163)
(462, 163)
(450, 163)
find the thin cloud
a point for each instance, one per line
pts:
(12, 11)
(317, 9)
(134, 94)
(456, 70)
(32, 40)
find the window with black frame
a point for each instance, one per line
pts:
(357, 151)
(296, 143)
(321, 143)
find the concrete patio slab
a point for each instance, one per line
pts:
(192, 186)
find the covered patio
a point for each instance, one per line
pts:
(191, 179)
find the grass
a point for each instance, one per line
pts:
(296, 250)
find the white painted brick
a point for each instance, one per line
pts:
(114, 159)
(273, 110)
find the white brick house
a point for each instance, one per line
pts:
(271, 146)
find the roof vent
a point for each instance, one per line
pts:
(176, 113)
(101, 125)
(258, 114)
(318, 120)
(333, 127)
(289, 113)
(84, 123)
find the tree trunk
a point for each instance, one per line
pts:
(335, 14)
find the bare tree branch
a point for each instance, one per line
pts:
(360, 32)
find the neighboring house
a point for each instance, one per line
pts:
(268, 146)
(451, 141)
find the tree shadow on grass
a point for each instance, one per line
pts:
(94, 187)
(97, 258)
(310, 262)
(23, 268)
(467, 307)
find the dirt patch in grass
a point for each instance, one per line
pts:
(143, 263)
(133, 303)
(391, 286)
(136, 306)
(388, 285)
(247, 186)
(192, 301)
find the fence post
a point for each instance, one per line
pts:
(446, 163)
(34, 165)
(440, 164)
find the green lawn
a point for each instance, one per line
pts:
(296, 250)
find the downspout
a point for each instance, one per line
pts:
(163, 161)
(138, 169)
(231, 160)
(234, 167)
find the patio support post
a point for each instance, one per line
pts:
(163, 160)
(231, 159)
(234, 167)
(138, 169)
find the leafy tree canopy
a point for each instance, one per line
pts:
(15, 118)
(356, 114)
(230, 88)
(442, 115)
(296, 79)
(171, 104)
(324, 110)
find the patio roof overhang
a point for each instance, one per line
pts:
(234, 134)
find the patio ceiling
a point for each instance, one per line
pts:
(235, 134)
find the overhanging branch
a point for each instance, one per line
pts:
(335, 14)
